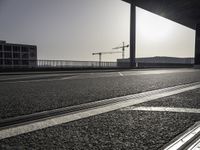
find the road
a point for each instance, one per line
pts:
(146, 127)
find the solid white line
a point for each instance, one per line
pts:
(163, 109)
(127, 101)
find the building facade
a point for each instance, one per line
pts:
(17, 55)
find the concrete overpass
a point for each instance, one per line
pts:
(181, 11)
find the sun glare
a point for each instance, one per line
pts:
(151, 26)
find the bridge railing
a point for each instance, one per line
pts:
(16, 63)
(23, 63)
(72, 64)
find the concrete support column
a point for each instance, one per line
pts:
(133, 35)
(197, 46)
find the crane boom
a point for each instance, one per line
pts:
(104, 53)
(123, 49)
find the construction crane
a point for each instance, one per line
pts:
(104, 53)
(123, 49)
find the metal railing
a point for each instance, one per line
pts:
(72, 64)
(24, 63)
(35, 64)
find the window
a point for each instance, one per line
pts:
(1, 61)
(24, 49)
(8, 55)
(16, 62)
(25, 56)
(7, 48)
(1, 54)
(16, 55)
(33, 52)
(25, 62)
(8, 62)
(1, 48)
(33, 48)
(16, 49)
(33, 55)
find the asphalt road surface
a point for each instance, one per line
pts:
(121, 129)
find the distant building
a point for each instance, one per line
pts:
(17, 55)
(173, 60)
(157, 60)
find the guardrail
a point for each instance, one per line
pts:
(14, 63)
(72, 64)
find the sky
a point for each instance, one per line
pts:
(74, 29)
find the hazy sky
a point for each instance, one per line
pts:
(74, 29)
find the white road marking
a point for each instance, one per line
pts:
(134, 73)
(179, 141)
(123, 102)
(121, 74)
(37, 76)
(128, 73)
(163, 109)
(41, 80)
(67, 78)
(151, 72)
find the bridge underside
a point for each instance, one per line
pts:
(185, 12)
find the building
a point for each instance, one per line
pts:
(148, 61)
(166, 60)
(17, 55)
